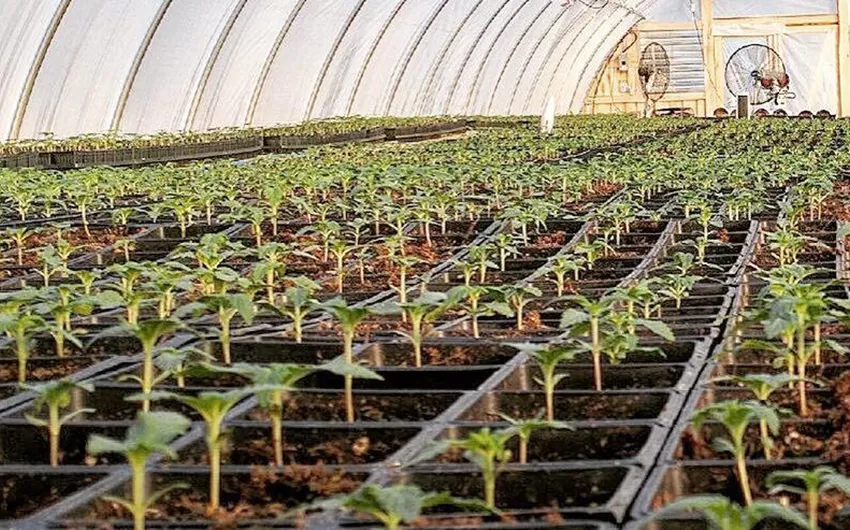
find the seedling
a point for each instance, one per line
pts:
(762, 387)
(395, 505)
(283, 377)
(21, 328)
(810, 484)
(735, 416)
(178, 362)
(485, 448)
(561, 266)
(227, 306)
(55, 396)
(473, 296)
(296, 303)
(724, 514)
(213, 407)
(349, 317)
(525, 428)
(421, 312)
(152, 432)
(548, 358)
(149, 333)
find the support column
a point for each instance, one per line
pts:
(713, 91)
(844, 57)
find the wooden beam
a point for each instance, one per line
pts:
(795, 20)
(713, 94)
(844, 57)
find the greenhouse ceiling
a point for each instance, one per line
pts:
(79, 66)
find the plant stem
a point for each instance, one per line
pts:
(766, 441)
(53, 428)
(523, 450)
(801, 369)
(147, 376)
(489, 476)
(348, 346)
(214, 449)
(416, 339)
(743, 476)
(137, 465)
(23, 356)
(276, 414)
(812, 504)
(224, 318)
(596, 350)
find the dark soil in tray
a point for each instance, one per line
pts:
(263, 493)
(22, 494)
(109, 403)
(248, 446)
(619, 377)
(569, 406)
(385, 406)
(435, 354)
(561, 445)
(532, 488)
(22, 443)
(683, 480)
(278, 351)
(425, 378)
(44, 369)
(92, 345)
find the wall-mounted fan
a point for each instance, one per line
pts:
(758, 71)
(654, 72)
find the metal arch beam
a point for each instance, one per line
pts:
(327, 64)
(46, 41)
(532, 54)
(469, 55)
(375, 43)
(436, 66)
(264, 73)
(608, 55)
(205, 77)
(137, 63)
(406, 61)
(564, 56)
(480, 69)
(511, 55)
(578, 18)
(584, 70)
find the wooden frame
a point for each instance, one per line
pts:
(606, 97)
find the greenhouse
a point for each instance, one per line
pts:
(447, 264)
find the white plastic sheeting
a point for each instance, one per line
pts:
(227, 96)
(164, 88)
(80, 66)
(24, 25)
(99, 39)
(765, 8)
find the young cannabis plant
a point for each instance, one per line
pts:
(724, 514)
(395, 505)
(55, 396)
(735, 416)
(152, 432)
(809, 484)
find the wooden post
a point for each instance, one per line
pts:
(713, 93)
(844, 57)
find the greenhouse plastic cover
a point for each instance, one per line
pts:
(87, 66)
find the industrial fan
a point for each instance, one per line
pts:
(654, 73)
(758, 71)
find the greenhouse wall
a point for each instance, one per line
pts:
(69, 67)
